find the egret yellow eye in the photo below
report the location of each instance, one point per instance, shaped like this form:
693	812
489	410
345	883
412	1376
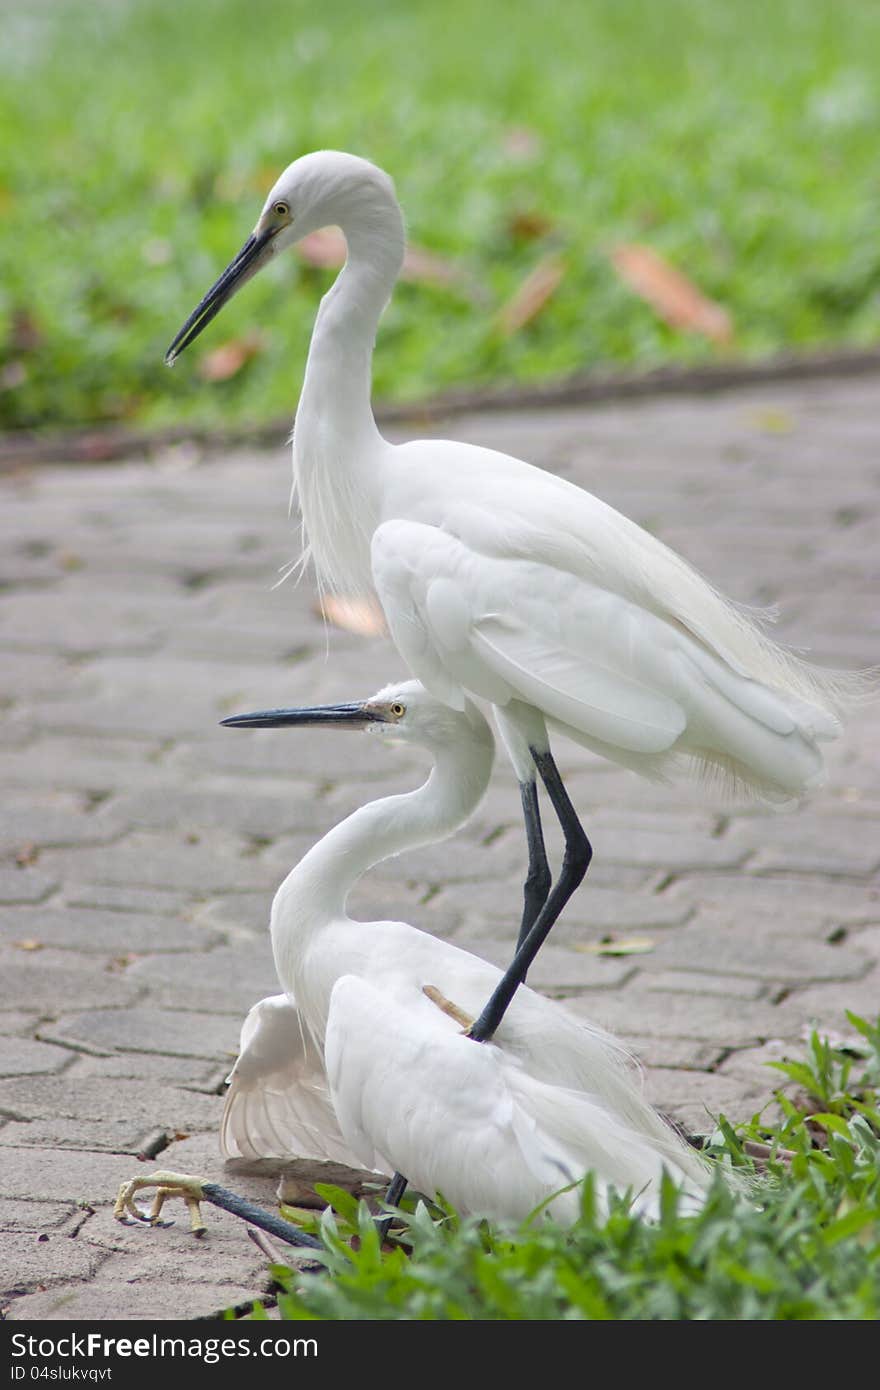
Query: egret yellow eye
398	710
281	210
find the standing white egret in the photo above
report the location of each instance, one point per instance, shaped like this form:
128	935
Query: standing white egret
504	582
364	1059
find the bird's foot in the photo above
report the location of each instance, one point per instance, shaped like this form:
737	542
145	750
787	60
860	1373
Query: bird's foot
447	1007
167	1185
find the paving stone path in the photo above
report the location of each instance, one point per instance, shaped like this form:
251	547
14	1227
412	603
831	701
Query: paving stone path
140	844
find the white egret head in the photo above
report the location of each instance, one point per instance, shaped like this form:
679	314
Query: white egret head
402	713
323	189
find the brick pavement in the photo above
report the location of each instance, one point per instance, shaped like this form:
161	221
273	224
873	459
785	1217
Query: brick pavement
140	844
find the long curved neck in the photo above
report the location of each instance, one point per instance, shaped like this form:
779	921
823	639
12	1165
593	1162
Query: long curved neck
337	386
335	436
315	892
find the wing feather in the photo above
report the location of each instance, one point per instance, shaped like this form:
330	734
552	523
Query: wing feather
278	1103
468	1120
646	687
580	692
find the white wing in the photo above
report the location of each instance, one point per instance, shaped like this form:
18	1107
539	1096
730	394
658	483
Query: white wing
633	686
503	508
278	1103
467	1120
491	624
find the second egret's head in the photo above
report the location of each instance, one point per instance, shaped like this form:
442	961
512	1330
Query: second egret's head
327	188
402	713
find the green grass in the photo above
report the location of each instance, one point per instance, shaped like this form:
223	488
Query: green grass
800	1241
137	141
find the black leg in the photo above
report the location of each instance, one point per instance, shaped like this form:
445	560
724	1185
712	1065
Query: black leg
276	1225
258	1216
285	1230
395	1191
575	862
537	885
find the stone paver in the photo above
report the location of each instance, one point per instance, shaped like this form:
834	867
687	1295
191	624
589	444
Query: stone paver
95	931
682	1013
153	1030
27	1057
36	1264
223	981
140	844
23	885
33	1216
759	950
48	981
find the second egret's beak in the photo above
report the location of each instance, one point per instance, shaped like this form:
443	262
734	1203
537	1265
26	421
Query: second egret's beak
254	254
356	716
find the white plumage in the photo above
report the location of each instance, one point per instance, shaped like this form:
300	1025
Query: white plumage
504	581
356	1063
501	581
472	1122
278	1102
642	678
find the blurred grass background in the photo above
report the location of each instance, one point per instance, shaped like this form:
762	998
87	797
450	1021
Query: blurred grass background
138	137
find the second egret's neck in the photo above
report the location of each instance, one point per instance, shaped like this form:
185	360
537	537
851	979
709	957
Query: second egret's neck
314	893
336	442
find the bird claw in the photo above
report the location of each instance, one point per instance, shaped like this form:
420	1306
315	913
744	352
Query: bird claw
167	1185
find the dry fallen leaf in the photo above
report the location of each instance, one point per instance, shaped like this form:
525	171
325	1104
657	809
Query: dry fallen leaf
622	946
28	945
326	250
529	224
224	361
674	297
122	962
360	615
429	268
534	292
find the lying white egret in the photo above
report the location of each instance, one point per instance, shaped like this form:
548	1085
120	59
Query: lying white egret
364	1060
502	581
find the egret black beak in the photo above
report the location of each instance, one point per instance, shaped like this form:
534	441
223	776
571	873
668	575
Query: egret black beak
254	254
356	716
